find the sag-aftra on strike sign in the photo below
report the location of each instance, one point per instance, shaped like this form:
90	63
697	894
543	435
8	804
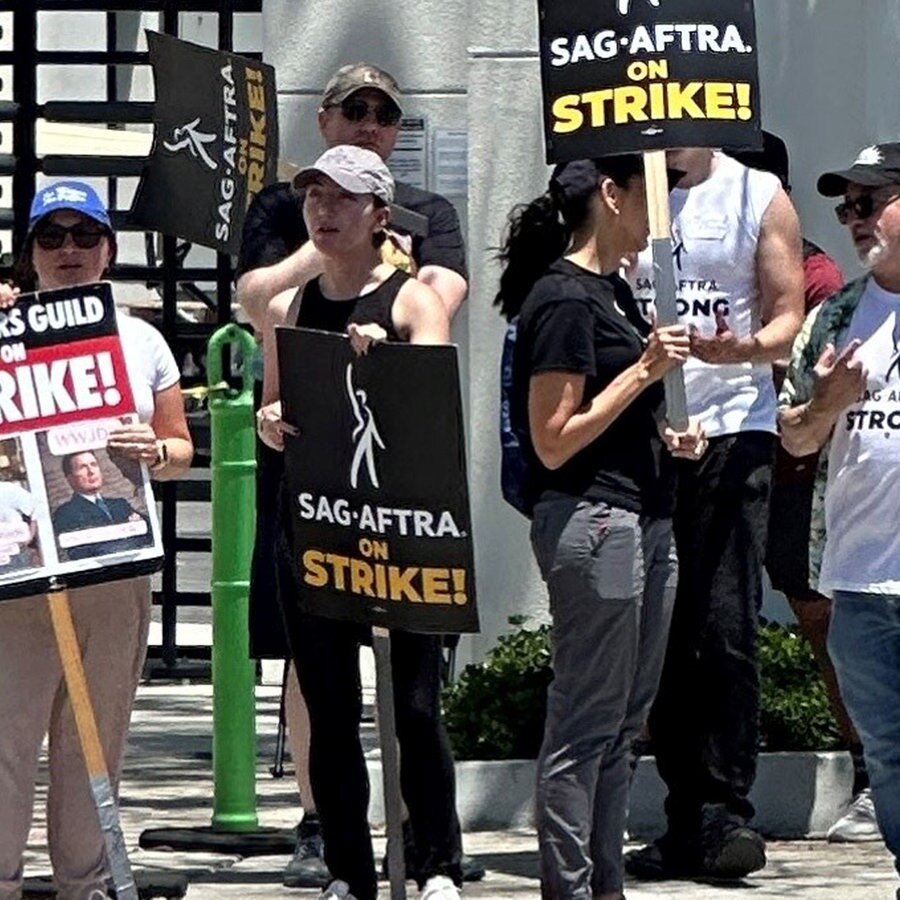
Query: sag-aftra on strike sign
633	75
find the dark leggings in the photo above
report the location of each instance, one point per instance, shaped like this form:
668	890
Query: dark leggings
326	654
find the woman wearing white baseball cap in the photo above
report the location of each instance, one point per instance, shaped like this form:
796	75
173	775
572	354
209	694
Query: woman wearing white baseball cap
346	208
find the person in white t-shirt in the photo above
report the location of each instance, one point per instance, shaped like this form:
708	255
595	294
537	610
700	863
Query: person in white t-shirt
739	281
17	527
70	242
842	396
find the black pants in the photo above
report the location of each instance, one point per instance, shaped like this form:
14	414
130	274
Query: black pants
326	654
704	723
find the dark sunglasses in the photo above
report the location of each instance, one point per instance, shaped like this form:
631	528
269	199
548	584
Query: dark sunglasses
355	110
862	207
53	236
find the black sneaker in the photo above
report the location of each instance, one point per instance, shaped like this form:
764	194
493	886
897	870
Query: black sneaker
731	849
307	868
667	857
739	852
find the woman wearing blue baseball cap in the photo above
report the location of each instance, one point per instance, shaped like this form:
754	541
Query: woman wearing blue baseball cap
70	242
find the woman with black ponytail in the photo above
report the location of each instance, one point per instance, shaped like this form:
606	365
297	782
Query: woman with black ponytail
589	409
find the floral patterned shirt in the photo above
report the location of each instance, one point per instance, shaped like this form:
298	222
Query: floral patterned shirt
827	323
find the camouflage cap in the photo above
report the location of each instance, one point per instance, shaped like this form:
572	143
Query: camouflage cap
349	79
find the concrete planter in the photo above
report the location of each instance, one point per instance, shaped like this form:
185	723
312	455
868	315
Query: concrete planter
796	795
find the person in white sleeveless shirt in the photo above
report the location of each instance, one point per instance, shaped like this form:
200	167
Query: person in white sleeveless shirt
842	396
739	281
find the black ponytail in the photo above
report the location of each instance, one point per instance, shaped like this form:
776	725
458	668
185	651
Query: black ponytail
539	232
535	236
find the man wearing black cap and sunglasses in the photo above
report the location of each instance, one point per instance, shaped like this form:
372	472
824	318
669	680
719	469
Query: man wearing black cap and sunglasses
842	396
361	106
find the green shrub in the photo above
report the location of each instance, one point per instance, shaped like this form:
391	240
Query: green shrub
795	713
495	710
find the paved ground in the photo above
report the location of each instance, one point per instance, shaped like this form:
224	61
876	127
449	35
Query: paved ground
168	783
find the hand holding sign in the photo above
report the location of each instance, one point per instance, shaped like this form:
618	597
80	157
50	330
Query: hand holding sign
271	428
667	348
362	337
688	444
8	295
133	440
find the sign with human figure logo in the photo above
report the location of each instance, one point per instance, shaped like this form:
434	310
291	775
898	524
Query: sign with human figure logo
377	497
215	143
72	512
626	76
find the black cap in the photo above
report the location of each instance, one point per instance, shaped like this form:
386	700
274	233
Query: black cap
773	157
876	166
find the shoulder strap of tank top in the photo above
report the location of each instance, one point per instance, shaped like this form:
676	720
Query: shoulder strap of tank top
293	312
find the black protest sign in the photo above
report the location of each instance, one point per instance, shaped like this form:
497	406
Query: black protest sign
72	512
215	144
625	76
378	499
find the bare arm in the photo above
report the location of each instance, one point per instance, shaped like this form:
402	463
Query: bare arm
277	314
561	425
420	315
450	286
170	425
779	266
257	288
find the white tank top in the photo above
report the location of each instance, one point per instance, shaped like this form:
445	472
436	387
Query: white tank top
715	228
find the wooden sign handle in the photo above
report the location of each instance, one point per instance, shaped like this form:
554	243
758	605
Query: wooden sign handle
91	748
656	182
76	683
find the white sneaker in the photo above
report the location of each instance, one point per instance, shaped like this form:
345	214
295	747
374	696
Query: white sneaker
858	823
439	887
337	890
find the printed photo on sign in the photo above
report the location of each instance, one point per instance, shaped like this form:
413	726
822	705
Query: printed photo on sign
97	502
621	77
19	542
380	521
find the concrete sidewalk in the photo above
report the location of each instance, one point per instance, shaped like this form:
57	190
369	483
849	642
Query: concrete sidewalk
168	783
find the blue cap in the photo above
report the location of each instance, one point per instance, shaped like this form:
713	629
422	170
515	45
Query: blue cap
74	195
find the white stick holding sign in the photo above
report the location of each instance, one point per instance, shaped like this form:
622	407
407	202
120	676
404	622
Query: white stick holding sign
657	186
390	761
91	748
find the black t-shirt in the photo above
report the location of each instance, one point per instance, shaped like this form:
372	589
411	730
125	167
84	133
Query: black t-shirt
579	322
274	228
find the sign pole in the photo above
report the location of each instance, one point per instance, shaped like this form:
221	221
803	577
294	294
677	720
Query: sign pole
657	187
89	737
390	761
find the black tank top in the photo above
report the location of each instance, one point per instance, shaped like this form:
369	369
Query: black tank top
317	311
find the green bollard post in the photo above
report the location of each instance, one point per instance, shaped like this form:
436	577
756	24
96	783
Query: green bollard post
233	439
